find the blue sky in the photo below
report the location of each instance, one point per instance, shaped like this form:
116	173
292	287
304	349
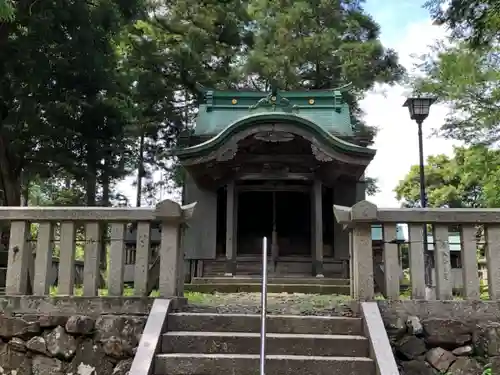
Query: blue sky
394	16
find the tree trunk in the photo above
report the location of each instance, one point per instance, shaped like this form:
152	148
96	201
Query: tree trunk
91	178
10	177
105	202
140	171
25	188
10	189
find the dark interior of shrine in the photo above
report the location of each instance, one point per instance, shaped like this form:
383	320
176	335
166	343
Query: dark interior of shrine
255	220
293	225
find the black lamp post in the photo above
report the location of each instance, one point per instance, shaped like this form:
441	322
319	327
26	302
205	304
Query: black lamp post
419	110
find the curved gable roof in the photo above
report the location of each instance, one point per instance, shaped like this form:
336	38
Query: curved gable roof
323	137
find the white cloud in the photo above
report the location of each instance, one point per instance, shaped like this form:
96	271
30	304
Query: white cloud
397	140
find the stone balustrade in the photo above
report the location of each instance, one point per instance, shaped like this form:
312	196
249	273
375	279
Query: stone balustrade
360	218
29	266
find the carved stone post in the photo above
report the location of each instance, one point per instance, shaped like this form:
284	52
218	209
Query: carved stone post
19	259
362	252
171	215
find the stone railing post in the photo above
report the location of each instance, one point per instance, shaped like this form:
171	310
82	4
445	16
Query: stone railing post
359	218
20	255
172	216
364	213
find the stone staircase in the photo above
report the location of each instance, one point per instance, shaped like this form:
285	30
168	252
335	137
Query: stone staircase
213	344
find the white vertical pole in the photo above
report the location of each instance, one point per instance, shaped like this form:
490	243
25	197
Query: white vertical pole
263	307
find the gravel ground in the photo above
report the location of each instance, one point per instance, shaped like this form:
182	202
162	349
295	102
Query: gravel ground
277	303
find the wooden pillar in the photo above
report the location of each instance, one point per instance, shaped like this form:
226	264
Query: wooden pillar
317	228
230	229
200	237
344	194
274	238
235	226
360	189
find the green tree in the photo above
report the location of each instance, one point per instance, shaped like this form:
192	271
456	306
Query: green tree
206	40
371	186
177	48
63	95
320	44
468	81
54	192
6	10
469	179
476	21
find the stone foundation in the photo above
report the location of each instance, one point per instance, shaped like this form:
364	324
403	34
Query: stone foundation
60	345
444	346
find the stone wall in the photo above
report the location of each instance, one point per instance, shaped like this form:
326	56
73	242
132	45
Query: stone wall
444	346
60	345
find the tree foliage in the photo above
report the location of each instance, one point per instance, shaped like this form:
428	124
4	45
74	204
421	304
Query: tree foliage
475	21
64	95
6	10
468	81
464	74
371	186
320	44
469	179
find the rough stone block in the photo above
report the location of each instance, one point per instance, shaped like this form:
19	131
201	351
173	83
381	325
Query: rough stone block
440	359
80	324
410	347
447	333
487	339
466	366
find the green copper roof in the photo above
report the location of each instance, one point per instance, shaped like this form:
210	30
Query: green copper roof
325	108
324	137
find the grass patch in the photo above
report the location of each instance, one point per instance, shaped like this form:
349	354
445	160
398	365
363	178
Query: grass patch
193	297
198	298
78	291
308	301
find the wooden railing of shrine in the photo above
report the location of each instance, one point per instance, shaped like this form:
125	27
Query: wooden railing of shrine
37	234
474	226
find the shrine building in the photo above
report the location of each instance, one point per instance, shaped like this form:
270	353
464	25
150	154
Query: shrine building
271	164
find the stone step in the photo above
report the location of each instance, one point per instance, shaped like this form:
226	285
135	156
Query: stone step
243	287
208	322
271	280
276	344
248	364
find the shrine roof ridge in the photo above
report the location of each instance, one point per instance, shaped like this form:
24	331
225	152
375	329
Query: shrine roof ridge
219	108
258	93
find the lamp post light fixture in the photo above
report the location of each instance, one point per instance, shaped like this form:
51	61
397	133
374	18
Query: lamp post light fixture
419	108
